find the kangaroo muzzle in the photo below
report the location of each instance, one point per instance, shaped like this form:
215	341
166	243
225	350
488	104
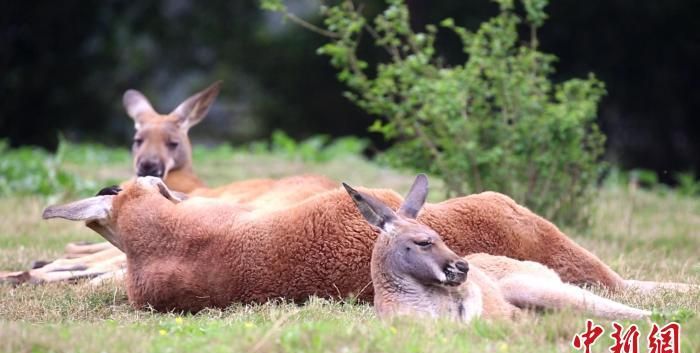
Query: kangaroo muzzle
149	167
456	272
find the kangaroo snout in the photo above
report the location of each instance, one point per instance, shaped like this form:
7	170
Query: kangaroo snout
456	272
462	266
149	167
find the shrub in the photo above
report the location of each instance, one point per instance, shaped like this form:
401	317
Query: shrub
317	148
31	170
494	122
688	184
314	149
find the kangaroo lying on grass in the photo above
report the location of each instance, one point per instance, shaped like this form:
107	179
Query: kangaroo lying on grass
415	273
202	252
162	148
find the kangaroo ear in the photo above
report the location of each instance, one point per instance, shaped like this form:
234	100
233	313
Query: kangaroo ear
415	199
172	195
151	181
91	209
374	211
194	109
136	104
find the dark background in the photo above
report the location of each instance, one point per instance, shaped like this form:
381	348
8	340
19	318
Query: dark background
64	66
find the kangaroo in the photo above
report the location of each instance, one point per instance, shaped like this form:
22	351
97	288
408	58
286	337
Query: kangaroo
161	145
414	273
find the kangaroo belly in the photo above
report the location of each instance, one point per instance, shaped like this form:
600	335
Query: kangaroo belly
171	284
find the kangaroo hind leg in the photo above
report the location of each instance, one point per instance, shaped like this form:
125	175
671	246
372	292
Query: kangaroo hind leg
528	290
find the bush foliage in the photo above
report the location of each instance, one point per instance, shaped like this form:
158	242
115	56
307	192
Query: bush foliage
494	122
32	170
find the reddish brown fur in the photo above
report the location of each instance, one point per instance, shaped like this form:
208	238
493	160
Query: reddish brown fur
201	253
268	193
495	224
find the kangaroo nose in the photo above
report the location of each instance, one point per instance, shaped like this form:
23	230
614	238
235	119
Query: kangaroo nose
462	266
150	168
110	190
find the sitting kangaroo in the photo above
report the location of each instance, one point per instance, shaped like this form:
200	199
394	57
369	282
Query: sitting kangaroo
415	273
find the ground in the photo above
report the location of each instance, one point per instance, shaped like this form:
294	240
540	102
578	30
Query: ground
643	234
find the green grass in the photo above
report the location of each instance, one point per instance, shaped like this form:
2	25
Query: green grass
641	234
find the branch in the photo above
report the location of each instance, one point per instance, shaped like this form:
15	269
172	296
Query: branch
390	50
310	26
534	43
438	157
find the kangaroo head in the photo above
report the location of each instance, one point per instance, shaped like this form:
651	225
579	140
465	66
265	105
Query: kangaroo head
405	248
97	211
161	143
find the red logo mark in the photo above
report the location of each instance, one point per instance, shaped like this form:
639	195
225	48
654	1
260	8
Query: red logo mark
627	342
588	337
666	339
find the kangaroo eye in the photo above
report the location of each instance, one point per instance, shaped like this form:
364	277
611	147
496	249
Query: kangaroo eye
172	145
422	243
138	142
